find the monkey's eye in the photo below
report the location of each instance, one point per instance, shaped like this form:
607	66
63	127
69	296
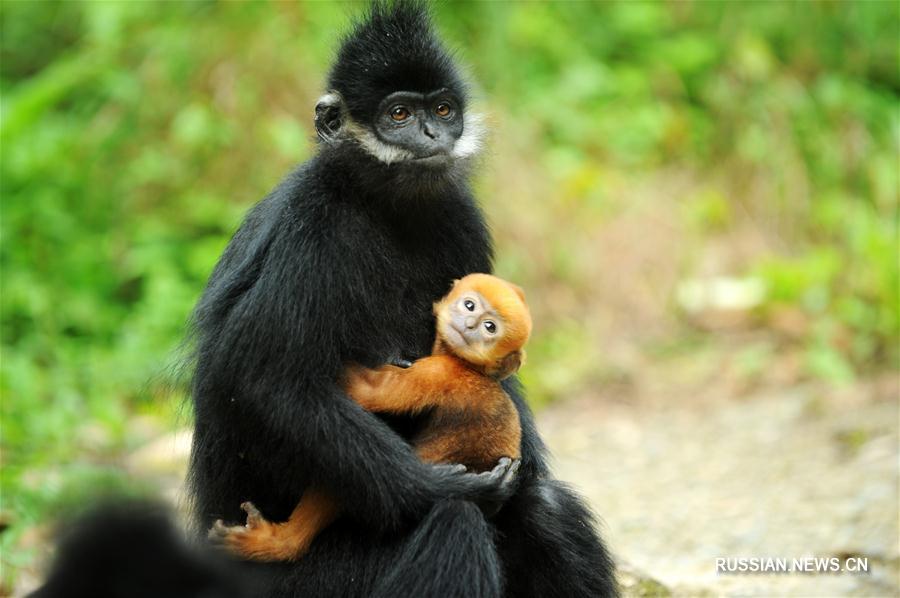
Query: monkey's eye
469	304
400	113
490	327
443	109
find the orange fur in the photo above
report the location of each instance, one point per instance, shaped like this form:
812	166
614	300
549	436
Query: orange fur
508	300
471	419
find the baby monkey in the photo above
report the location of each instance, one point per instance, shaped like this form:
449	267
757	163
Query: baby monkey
482	326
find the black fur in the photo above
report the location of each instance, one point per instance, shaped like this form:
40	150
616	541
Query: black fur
340	263
131	550
393	44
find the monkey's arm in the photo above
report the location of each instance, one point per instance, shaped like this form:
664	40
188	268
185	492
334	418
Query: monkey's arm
434	381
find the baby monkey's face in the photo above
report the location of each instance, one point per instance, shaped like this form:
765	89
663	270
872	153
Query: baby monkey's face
471	324
484	320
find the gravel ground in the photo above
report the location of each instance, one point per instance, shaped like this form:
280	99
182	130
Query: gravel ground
680	481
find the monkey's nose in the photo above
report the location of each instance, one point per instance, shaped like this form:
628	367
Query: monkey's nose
471	321
427	130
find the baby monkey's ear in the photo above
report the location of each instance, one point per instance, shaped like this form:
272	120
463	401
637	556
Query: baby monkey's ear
519	291
509	365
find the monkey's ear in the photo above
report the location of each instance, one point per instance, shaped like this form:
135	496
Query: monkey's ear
329	113
519	291
509	365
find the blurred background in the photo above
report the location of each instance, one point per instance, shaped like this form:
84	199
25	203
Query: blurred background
700	198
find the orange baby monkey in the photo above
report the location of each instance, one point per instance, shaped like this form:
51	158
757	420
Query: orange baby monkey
482	326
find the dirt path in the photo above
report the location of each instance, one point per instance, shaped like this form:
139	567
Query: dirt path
681	478
679	482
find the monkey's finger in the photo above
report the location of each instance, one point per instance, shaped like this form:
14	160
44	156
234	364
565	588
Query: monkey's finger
450	468
512	472
254	517
219	532
501	468
499	474
487	480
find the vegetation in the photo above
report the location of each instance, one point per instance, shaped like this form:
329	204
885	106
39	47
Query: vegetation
135	135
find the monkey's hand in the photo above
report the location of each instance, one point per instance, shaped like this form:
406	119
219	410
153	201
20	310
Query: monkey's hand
260	539
490	489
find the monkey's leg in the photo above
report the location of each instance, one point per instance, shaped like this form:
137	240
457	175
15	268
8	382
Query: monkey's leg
549	546
451	554
263	540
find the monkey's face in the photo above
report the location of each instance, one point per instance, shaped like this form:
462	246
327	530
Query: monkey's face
408	127
395	93
427	126
483	320
470	325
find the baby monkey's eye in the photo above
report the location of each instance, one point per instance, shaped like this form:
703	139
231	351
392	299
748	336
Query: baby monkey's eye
443	109
400	113
470	305
490	327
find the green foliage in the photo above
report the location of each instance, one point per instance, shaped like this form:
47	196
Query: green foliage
790	106
134	136
845	279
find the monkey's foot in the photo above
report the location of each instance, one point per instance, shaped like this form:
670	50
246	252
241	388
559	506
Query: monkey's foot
258	540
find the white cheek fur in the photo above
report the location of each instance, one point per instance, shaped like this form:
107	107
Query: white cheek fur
472	138
376	148
469	144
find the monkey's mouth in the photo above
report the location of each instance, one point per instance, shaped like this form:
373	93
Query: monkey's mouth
455	335
437	158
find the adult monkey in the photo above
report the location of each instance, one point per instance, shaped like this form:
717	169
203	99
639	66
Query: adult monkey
341	263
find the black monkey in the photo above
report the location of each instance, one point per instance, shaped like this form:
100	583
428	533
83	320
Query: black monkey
341	263
131	549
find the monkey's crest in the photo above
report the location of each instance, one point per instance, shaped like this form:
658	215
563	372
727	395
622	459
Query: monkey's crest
392	47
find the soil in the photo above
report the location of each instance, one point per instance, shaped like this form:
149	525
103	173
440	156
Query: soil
681	479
